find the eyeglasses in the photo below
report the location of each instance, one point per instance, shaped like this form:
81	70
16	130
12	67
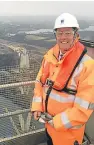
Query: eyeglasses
65	33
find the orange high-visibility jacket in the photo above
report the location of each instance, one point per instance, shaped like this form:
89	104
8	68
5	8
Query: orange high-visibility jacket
70	112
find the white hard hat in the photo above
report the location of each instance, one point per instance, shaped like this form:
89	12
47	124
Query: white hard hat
66	20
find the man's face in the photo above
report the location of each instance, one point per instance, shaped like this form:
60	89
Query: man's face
64	38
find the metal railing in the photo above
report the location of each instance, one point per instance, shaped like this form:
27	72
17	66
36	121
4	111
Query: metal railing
17	126
16	91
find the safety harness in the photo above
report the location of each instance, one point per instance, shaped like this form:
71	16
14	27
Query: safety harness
50	83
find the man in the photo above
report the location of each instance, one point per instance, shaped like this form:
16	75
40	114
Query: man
64	85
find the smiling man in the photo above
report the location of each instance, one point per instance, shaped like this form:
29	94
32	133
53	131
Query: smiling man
63	95
65	38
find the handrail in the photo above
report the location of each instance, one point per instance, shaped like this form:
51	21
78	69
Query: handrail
16	84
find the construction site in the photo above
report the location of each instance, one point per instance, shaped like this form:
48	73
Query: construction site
17	126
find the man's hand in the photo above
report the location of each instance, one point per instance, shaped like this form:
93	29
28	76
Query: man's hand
43	117
37	115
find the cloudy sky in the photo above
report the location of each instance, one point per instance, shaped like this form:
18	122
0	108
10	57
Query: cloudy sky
80	8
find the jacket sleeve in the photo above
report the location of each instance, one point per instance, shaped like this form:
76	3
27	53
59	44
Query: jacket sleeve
38	93
83	106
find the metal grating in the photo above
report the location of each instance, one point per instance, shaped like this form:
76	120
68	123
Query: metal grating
16	91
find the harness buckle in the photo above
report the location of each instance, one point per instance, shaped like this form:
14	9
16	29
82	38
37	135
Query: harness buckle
49	83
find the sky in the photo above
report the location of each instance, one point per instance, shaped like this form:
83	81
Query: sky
80	8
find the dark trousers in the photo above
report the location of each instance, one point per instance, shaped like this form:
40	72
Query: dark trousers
49	140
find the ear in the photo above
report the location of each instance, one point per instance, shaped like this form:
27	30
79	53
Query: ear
55	36
76	35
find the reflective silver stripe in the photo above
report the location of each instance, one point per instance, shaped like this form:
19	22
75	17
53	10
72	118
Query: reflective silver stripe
91	106
65	120
62	99
67	123
73	84
37	99
78	126
83	103
77	71
85	58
